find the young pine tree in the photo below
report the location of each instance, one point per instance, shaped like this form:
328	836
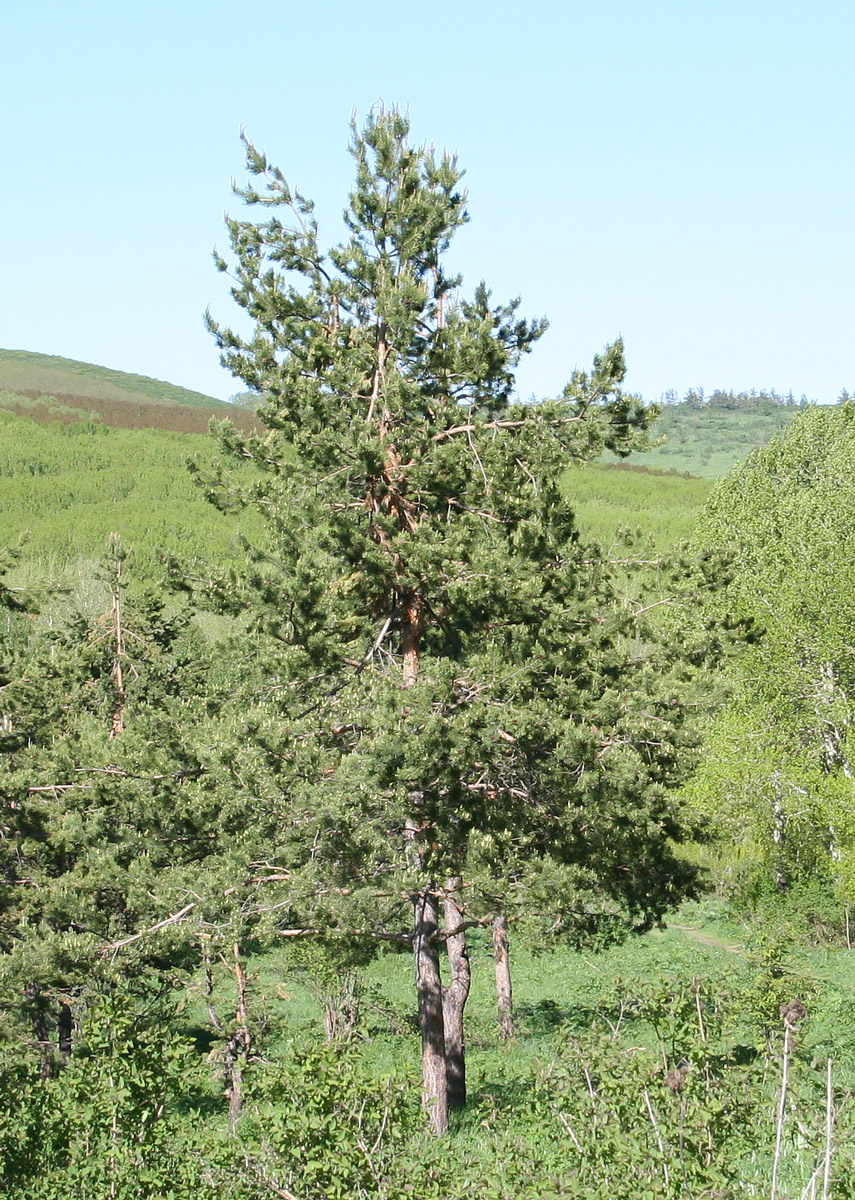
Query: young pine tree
458	711
109	821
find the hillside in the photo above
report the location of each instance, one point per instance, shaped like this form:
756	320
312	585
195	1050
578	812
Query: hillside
64	488
69	430
660	505
701	436
709	437
49	388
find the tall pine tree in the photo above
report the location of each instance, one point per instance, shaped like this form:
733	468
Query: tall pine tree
460	716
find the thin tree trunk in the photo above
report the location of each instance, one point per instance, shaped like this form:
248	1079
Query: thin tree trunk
411	637
41	1036
341	1007
238	1044
118	722
454	998
426	926
504	992
429	989
65	1027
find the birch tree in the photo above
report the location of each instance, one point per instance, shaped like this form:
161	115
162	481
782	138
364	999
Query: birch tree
777	774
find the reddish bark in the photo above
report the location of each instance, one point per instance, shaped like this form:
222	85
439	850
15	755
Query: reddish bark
411	638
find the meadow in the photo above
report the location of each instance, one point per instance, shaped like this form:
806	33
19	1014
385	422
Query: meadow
653	1069
65	487
708	439
709	1058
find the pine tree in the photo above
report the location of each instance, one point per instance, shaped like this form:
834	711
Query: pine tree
113	813
459	716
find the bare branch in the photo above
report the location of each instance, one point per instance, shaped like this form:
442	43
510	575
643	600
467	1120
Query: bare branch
153	929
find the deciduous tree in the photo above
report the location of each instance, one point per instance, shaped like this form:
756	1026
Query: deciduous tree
777	773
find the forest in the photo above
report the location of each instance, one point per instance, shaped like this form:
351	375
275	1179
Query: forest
408	791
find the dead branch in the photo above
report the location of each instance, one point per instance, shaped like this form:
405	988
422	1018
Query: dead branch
153	929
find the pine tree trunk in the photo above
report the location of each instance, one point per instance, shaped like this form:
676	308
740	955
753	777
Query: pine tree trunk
426	927
429	989
65	1028
37	1003
504	993
238	1043
454	998
411	636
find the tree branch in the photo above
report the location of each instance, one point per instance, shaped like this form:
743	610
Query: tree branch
153	929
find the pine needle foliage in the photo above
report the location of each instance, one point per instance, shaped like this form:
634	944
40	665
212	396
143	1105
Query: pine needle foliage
459	691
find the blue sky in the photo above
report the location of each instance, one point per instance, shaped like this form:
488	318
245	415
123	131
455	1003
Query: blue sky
677	171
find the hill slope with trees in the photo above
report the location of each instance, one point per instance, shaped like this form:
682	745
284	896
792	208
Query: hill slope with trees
709	435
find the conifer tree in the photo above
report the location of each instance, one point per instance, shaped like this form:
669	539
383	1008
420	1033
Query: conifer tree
109	818
460	719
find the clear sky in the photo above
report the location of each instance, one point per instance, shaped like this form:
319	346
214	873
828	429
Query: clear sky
678	171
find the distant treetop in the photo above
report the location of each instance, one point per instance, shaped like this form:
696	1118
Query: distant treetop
750	401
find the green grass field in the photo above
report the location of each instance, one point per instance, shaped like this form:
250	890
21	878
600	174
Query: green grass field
649	503
702	994
32	374
66	488
709	441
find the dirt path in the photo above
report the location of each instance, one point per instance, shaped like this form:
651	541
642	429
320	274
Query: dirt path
710	939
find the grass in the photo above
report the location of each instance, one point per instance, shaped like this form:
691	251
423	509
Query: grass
618	1010
709	441
558	988
656	505
65	489
33	374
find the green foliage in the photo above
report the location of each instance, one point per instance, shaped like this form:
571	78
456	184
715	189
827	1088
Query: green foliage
12	401
325	1128
777	776
69	486
679	1027
109	1124
421	538
689	1115
111	811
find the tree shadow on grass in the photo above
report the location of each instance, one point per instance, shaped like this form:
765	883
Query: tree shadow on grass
546	1016
510	1097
